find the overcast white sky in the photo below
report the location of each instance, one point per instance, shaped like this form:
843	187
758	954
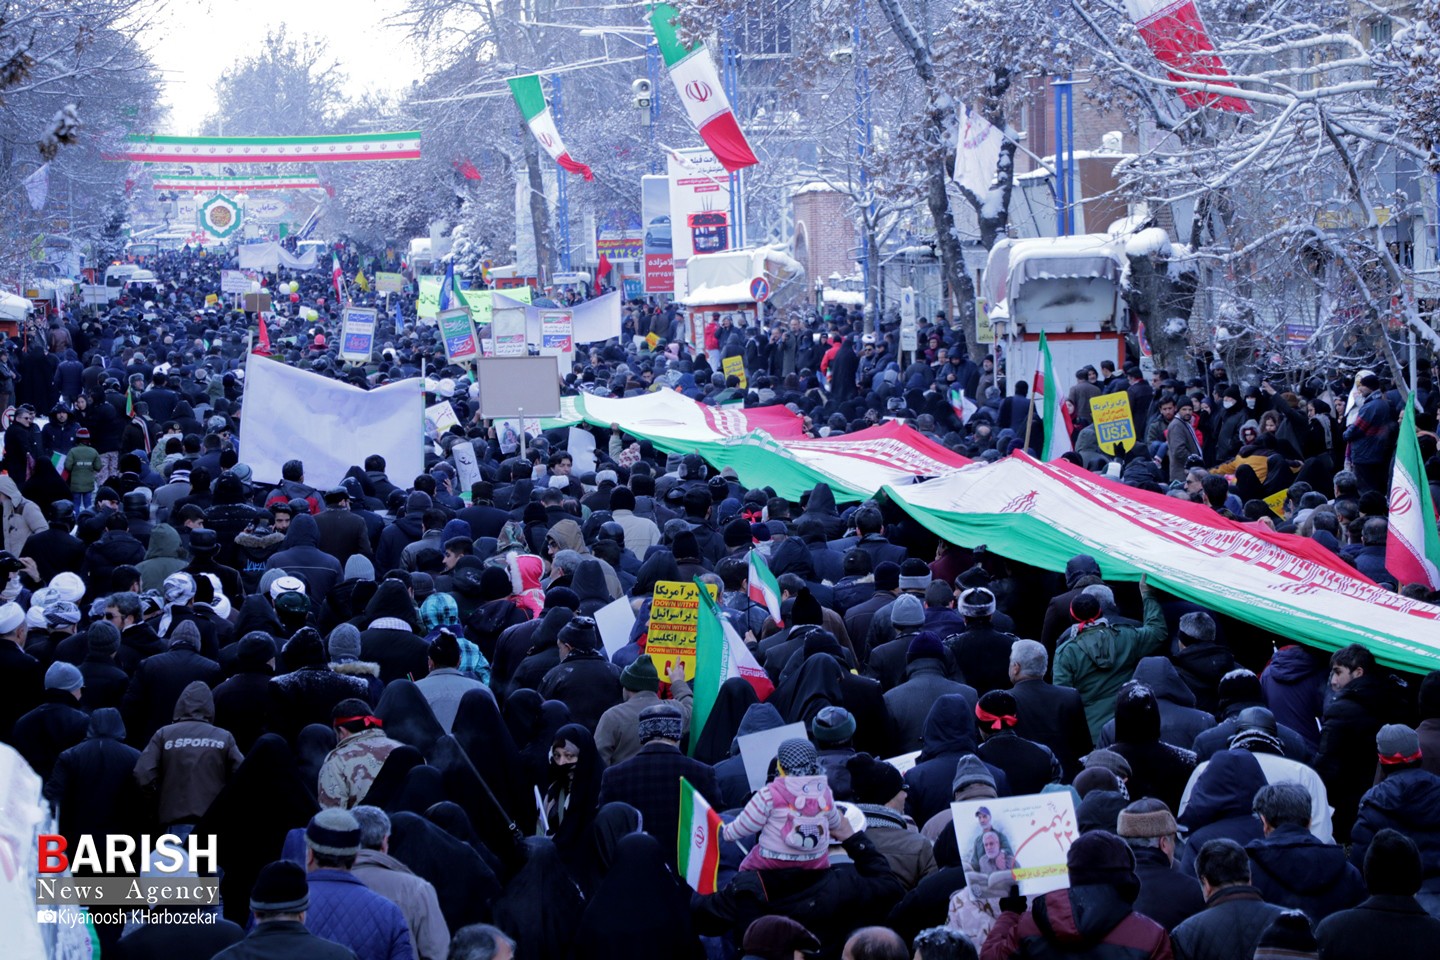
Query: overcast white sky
198	39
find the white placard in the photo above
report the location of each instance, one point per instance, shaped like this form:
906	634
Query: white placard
1032	834
758	749
615	620
581	448
467	470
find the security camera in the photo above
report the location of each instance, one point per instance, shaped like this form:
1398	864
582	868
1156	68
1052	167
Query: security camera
640	93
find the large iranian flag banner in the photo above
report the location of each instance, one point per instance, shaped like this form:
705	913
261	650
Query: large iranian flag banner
235	184
1046	513
530	98
692	70
148	148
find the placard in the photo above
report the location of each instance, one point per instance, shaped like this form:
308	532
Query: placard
984	332
255	302
440	417
735	367
1017	840
390	282
674	620
1114	427
357	334
557	337
236	281
615	620
518	385
467	469
458	333
758	749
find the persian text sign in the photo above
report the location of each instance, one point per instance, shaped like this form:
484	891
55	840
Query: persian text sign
458	332
357	334
674	619
1114	426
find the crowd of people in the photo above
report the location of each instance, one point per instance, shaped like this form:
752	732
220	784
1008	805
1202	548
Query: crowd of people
389	700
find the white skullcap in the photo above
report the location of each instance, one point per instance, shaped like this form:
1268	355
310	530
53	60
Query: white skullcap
286	585
11	616
68	586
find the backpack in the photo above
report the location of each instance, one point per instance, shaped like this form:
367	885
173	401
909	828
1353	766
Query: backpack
804	827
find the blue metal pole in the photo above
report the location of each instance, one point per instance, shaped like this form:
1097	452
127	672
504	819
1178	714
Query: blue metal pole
652	67
562	213
863	129
1064	156
731	79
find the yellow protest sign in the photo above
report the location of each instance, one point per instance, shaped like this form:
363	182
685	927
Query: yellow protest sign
674	619
735	367
984	332
1276	502
211	299
652	339
1114	427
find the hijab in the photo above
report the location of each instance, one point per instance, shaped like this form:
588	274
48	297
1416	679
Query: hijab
465	887
533	722
541	907
408	717
312	746
388	783
736	696
611	926
421	788
486	740
463	784
581	782
612	823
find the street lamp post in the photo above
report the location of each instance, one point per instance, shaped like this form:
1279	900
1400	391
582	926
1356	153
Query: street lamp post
858	38
562	212
652	70
731	79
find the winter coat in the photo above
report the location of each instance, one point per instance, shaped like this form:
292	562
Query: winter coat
1182	444
307	695
23	446
617	736
92	779
908	703
1217	738
1180	722
114	548
50	729
1229	927
982	655
242	704
1055	716
949	735
585	682
23	518
156	685
414	896
1386	925
301	556
342	534
344	910
821	506
350	768
910	855
650	782
284	940
1091	920
1292	869
1200	666
1167	895
190	760
443	687
1408	801
1294	683
105	682
1220	804
1099	659
164	941
163	557
1346	758
55	550
1370	436
1028	766
395	538
857	889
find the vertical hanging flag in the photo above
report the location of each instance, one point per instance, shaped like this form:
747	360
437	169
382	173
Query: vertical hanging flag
698	839
1412	544
693	72
449	291
37	187
1054	416
1174	32
764	589
337	277
362	281
530	98
964	407
719	655
977	155
601	271
262	341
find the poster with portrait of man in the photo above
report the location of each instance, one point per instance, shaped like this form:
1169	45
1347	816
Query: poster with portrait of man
1016	841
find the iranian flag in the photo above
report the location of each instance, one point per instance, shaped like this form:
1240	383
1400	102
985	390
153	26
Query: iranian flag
1052	406
693	71
719	655
1412	545
148	148
337	277
530	98
262	343
764	588
1174	32
698	839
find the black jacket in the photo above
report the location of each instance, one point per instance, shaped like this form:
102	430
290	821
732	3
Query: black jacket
949	735
149	702
50	729
166	941
1381	926
1054	716
114	548
1028	766
908	703
301	556
242	705
55	551
1293	869
1346	758
284	940
307	695
588	684
1228	927
650	782
93	781
1167	896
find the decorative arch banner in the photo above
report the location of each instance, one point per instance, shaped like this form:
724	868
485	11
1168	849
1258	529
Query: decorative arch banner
220	216
150	148
236	184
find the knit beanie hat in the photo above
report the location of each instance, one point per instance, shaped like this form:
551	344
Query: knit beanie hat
1392	865
1146	818
663	721
873	780
907	611
333	832
887	576
1397	744
1100	857
737	533
797	758
344	643
640	675
977	602
1100	810
971	773
833	725
280	887
186	635
256	648
63	676
925	645
103	638
914	574
359	567
580	634
1288	937
304	649
1108	759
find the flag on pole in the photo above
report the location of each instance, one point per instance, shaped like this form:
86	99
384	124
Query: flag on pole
262	345
963	406
337	276
719	655
1051	399
1175	34
1412	544
977	156
698	840
129	402
449	291
764	588
467	169
362	281
693	72
600	271
530	98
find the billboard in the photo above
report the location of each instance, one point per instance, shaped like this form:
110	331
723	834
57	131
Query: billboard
699	208
655	218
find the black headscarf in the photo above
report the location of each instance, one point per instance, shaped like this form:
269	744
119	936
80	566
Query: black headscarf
584	791
408	717
464	885
44	485
613	822
611	926
423	787
388	783
479	729
815	687
659	565
542	906
263	801
312	746
533	722
391	600
450	817
736	696
464	785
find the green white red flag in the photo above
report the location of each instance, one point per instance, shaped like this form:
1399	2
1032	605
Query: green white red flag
719	655
692	70
148	148
530	98
698	839
764	589
1412	543
1051	399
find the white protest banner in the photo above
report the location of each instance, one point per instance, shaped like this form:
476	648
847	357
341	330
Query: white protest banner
597	319
336	424
615	620
758	749
582	451
467	470
236	281
1016	840
357	334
